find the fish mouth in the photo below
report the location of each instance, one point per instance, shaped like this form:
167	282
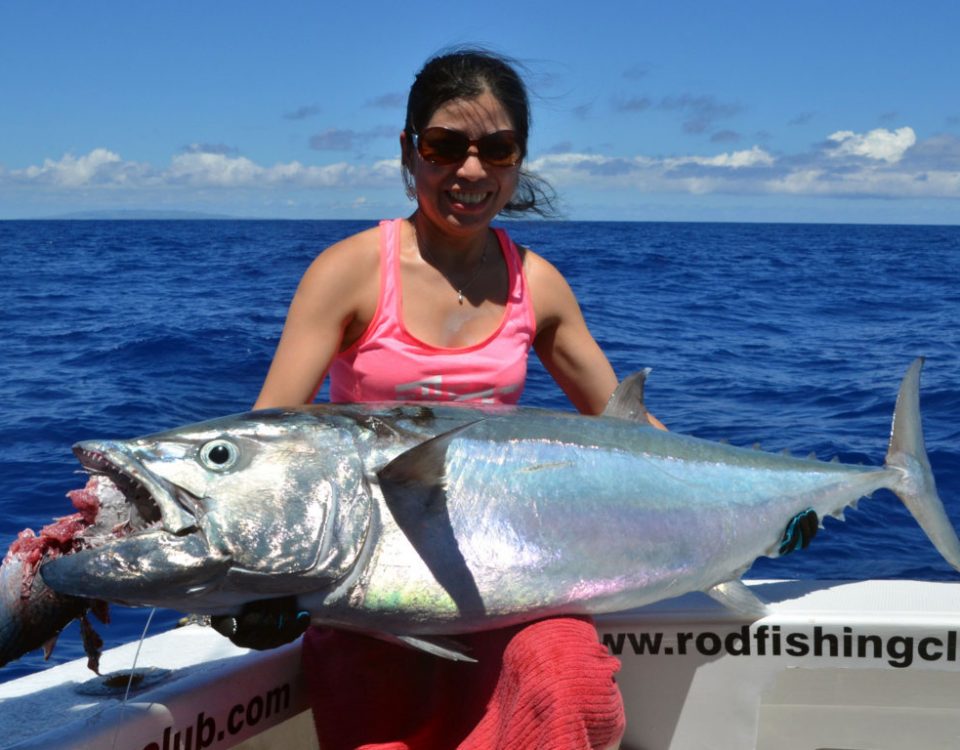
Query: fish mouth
151	502
145	547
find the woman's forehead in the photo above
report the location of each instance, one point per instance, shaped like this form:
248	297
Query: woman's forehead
475	115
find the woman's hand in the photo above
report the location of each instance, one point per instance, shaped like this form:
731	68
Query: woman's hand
264	624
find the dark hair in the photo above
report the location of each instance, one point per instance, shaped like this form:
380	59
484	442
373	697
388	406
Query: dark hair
465	74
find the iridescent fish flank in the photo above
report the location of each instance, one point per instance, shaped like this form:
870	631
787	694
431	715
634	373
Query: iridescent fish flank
412	522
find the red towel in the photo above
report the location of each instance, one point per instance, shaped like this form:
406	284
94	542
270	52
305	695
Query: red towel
548	685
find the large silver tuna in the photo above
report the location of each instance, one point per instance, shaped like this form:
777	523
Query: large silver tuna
417	520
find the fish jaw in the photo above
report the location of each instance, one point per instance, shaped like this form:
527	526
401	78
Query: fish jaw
150	497
151	568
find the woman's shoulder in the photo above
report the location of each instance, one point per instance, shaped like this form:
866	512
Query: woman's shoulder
551	295
352	258
541	274
356	248
533	261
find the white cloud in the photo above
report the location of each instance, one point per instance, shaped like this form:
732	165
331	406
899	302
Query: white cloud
99	167
876	166
213	170
800	182
200	169
612	166
754	157
879	144
879	163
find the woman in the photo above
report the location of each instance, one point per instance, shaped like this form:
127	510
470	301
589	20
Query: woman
441	307
463	146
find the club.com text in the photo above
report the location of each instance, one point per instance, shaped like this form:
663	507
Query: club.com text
206	731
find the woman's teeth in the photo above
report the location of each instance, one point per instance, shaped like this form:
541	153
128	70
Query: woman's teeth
468	198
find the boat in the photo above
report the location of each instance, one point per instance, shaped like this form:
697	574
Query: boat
857	665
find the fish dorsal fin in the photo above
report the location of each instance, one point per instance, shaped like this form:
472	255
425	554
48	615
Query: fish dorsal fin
627	401
737	596
414	490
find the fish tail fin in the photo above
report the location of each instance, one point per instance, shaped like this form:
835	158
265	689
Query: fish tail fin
916	486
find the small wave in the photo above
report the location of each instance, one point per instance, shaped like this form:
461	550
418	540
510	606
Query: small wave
794	336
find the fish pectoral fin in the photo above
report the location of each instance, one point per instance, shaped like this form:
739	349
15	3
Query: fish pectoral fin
445	648
627	401
736	595
424	464
413	486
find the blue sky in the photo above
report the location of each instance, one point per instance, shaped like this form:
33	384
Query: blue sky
834	111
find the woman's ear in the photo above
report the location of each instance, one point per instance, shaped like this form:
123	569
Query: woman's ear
406	149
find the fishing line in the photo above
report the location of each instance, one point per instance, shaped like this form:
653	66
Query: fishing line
130	678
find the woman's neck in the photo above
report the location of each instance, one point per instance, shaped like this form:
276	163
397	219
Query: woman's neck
449	250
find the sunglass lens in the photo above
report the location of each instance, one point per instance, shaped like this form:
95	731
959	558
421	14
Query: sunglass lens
499	149
440	146
445	147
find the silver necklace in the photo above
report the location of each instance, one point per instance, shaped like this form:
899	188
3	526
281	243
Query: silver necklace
461	289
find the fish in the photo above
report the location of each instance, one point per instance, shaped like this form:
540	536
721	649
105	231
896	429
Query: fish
419	522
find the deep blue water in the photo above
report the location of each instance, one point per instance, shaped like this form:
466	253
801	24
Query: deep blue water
794	336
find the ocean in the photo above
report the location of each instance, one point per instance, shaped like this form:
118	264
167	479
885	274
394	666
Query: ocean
791	336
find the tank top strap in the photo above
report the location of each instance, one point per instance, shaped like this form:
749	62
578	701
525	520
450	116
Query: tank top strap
518	295
388	364
389	302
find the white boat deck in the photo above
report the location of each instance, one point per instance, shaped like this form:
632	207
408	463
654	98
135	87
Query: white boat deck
861	666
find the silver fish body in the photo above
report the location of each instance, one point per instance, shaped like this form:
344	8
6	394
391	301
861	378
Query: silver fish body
417	520
601	516
31	613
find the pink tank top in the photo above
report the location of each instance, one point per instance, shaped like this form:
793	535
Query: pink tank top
387	363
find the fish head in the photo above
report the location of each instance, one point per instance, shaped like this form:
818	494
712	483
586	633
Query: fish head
226	511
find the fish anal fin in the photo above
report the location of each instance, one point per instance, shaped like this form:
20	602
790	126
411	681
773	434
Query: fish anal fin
101	610
49	645
737	596
627	401
445	648
435	645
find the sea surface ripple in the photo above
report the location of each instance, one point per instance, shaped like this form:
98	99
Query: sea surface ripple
791	336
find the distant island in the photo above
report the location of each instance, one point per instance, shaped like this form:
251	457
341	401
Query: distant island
135	215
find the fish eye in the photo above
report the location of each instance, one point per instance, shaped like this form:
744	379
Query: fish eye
219	455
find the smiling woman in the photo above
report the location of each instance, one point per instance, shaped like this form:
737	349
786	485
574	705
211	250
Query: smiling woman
450	303
442	307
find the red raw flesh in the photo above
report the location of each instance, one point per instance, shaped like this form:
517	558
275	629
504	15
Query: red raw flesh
59	537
